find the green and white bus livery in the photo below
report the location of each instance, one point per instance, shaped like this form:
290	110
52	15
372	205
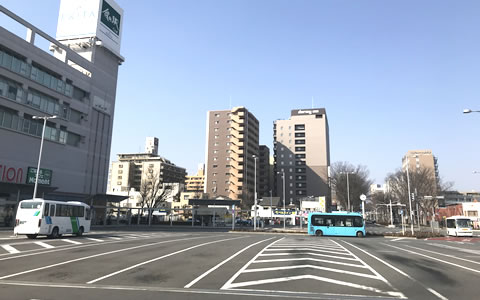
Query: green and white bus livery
52	218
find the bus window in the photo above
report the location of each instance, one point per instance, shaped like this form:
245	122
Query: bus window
31	205
349	222
463	223
329	222
339	221
318	221
46	208
87	215
451	223
357	222
52	210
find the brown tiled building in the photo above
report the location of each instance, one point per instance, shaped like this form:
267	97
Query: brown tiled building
232	140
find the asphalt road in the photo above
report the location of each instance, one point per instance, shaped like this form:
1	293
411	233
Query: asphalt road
220	265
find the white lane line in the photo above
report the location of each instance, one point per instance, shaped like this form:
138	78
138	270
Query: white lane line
44	245
113	238
447	255
318	278
440	296
308	259
93	256
228	284
222	263
95	240
397	239
369	267
455	248
159	258
309	249
399	271
312	267
437	259
71	241
10	249
309	253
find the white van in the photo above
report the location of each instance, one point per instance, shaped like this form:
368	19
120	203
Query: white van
51	218
459	226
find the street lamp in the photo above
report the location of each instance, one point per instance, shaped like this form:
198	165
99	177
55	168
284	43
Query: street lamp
44	118
409	199
255	194
467	111
284	212
348	189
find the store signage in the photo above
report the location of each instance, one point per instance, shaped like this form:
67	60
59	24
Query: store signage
110	18
44	177
11	174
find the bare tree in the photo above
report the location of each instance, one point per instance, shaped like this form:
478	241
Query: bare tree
358	183
153	192
424	188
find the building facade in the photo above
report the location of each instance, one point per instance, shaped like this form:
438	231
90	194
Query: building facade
421	159
232	140
265	188
79	88
302	156
196	183
134	170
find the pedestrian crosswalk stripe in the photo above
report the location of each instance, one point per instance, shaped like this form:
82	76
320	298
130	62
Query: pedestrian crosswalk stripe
95	240
44	245
71	242
10	249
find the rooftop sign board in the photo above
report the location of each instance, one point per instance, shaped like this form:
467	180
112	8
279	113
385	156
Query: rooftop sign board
306	112
91	18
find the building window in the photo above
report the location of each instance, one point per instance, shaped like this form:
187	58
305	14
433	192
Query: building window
216	136
300	155
215	174
215	166
217	115
215	129
120	171
228	143
119	177
215	151
217	122
299	148
300	163
215	158
299	134
119	183
300	170
120	166
301	185
300	127
300	177
301	192
215	144
299	142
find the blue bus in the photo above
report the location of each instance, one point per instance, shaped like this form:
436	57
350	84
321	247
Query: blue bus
336	223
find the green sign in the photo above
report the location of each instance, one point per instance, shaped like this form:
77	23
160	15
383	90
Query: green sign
44	178
110	18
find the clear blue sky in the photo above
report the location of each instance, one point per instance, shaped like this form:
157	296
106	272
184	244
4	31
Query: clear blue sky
392	75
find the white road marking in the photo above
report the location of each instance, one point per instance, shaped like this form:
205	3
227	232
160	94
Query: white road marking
222	263
44	245
95	240
437	259
399	271
10	249
308	259
319	278
398	239
308	249
113	238
71	241
440	296
228	284
311	267
308	253
455	248
92	256
447	255
158	258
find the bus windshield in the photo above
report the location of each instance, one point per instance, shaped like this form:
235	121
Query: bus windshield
31	205
463	223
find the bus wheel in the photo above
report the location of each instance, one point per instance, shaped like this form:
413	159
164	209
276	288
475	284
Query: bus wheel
359	234
318	233
31	236
80	231
54	233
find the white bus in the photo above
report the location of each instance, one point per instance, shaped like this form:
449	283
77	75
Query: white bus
459	226
51	218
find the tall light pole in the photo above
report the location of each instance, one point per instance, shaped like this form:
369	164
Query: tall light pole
271	209
44	118
284	211
255	193
348	190
409	199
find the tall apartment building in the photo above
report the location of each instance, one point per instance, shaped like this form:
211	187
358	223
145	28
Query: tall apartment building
417	159
77	84
265	172
302	153
151	145
232	140
196	183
